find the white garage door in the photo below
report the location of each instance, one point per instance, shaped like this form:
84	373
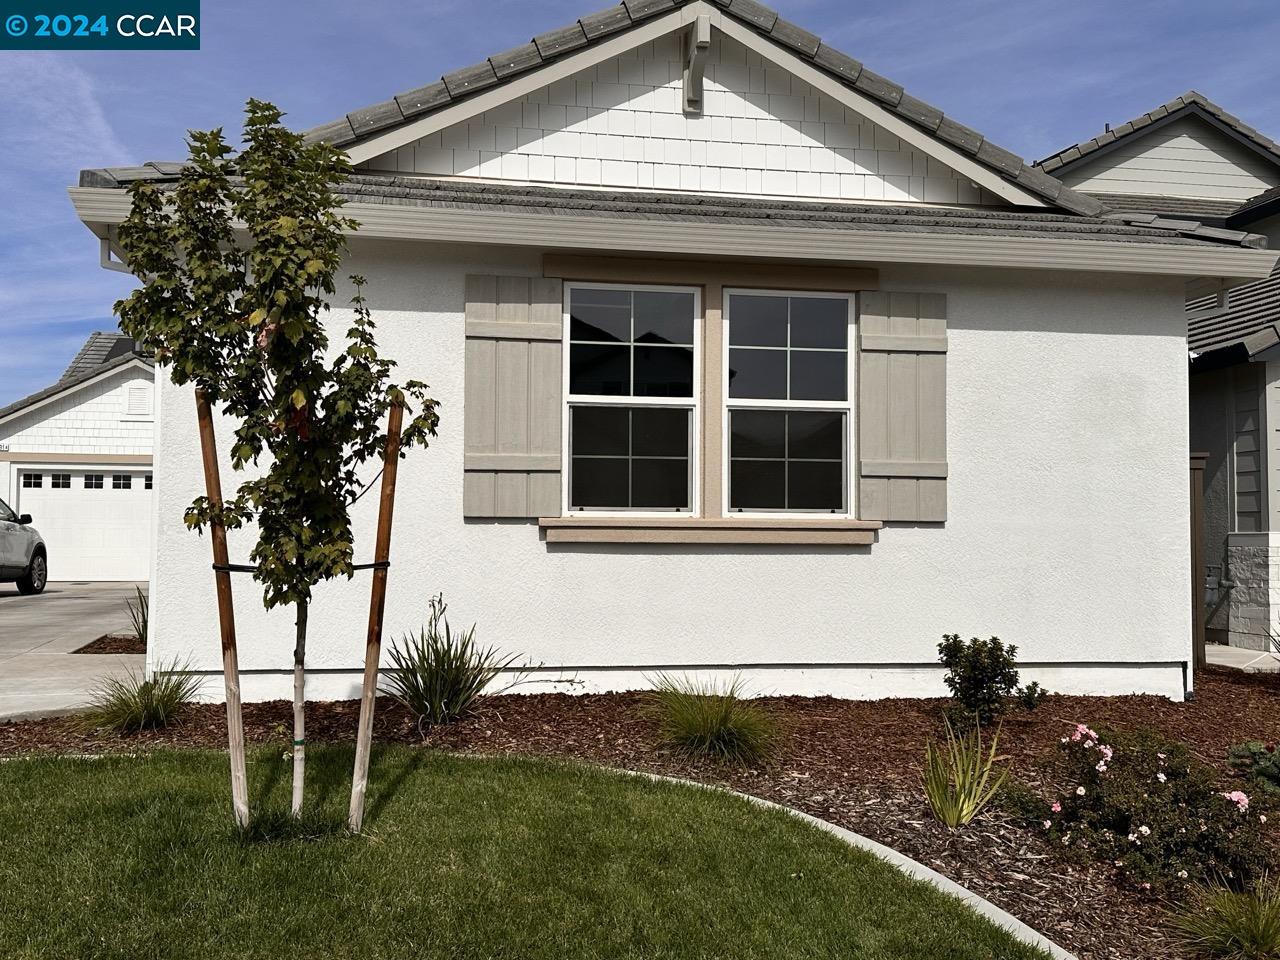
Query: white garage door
96	523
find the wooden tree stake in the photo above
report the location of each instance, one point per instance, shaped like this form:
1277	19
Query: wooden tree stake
377	606
226	616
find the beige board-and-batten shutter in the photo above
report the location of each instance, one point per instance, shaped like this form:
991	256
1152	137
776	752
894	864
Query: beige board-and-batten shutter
513	398
902	406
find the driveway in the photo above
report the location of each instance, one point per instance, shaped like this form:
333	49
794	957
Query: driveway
38	673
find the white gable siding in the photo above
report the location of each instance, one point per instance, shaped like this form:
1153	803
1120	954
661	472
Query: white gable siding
1185	158
93	419
622	124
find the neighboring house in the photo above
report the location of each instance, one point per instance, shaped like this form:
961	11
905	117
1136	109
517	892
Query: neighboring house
749	362
77	457
1190	158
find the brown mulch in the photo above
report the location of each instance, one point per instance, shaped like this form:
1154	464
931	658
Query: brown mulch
115	643
855	763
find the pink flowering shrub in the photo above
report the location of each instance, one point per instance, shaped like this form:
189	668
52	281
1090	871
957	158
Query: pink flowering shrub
1152	809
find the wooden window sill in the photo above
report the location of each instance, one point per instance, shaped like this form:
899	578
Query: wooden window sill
582	528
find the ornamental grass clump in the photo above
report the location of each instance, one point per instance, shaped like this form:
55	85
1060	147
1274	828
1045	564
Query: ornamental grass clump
1154	811
709	721
1226	924
440	675
960	778
132	702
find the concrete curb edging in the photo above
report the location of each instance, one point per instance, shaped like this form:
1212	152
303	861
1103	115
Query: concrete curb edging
917	871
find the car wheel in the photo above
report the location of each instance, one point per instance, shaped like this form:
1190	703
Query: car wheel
36	577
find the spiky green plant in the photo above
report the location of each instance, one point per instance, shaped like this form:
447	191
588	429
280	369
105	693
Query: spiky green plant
132	702
711	721
139	613
439	675
958	776
1226	924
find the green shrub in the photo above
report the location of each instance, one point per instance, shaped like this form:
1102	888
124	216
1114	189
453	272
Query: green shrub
1228	925
958	779
139	614
1260	763
704	720
439	675
132	702
982	676
1148	806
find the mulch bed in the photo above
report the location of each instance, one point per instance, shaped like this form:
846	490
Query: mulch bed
115	643
855	763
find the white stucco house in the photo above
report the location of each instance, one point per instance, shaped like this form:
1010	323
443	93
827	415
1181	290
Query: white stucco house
1191	158
750	362
77	457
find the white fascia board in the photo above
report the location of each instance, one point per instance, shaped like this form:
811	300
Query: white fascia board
507	227
136	363
526	83
863	105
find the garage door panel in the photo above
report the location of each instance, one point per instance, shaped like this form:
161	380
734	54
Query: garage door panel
91	534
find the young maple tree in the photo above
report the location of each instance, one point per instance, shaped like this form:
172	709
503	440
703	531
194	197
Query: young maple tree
237	262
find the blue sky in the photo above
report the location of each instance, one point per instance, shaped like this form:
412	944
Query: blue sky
1033	76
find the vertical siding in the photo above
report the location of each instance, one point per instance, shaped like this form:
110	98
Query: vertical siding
1246	395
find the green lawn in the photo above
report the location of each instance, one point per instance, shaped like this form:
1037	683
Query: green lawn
135	858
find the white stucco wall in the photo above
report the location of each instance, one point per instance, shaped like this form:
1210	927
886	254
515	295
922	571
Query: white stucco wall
1067	529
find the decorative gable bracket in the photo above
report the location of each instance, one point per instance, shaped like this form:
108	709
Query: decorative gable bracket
697	48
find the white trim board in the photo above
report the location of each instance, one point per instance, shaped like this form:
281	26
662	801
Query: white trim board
99	206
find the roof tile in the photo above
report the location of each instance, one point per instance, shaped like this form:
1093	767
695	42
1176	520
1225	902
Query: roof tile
795	37
469	80
833	61
755	13
640	9
919	112
371	119
423	99
958	135
605	22
337	133
1000	158
516	60
877	86
555	42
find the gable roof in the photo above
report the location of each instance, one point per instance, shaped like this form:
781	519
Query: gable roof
100	348
361	125
1191	103
101	353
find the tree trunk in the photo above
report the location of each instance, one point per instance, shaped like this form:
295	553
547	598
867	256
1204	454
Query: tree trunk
299	709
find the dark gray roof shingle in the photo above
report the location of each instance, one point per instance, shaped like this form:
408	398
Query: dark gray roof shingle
1013	221
1250	309
1192	100
546	47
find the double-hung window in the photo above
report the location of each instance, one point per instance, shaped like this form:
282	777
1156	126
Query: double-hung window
631	364
788	385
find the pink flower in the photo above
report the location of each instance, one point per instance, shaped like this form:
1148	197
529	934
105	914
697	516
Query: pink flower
1239	798
1056	807
1101	766
1048	824
1082	732
1105	751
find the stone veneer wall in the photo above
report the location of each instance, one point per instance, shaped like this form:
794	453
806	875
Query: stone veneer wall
1254	602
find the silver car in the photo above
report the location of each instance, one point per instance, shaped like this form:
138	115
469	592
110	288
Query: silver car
24	560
